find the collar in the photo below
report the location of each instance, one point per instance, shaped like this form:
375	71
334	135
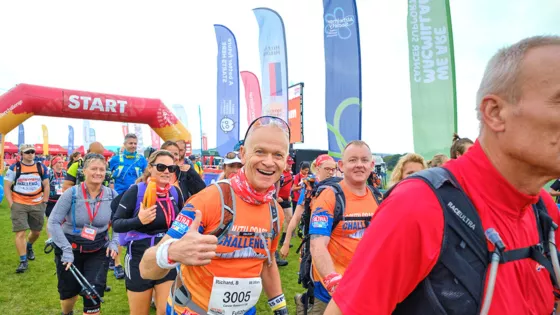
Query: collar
129	155
482	181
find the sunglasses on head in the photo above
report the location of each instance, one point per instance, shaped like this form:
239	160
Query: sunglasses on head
232	155
267	121
29	152
161	167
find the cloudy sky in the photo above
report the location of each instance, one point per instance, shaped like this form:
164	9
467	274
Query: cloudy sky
167	50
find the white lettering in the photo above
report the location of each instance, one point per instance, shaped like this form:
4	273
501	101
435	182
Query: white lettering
96	104
75	103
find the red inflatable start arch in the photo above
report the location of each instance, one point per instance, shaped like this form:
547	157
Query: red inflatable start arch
25	100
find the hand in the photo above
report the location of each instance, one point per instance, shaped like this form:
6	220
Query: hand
285	250
279	199
111	253
67	264
194	249
185	167
147	215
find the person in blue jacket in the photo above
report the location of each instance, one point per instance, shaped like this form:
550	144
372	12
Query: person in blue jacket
127	166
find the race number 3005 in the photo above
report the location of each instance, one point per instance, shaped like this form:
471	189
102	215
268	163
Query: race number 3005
237	297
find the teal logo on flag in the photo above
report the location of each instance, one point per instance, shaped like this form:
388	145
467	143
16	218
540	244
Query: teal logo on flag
337	24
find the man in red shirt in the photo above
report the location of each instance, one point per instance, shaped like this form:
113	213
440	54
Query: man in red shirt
284	193
503	174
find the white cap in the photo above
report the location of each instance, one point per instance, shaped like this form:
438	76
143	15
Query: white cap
236	159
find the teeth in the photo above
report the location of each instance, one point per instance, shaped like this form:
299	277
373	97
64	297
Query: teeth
265	172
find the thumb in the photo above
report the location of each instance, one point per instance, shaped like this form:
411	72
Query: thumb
196	223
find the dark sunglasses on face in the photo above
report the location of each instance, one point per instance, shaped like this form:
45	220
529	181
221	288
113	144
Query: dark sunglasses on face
161	167
29	152
232	155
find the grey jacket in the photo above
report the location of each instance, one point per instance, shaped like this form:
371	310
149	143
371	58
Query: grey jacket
60	220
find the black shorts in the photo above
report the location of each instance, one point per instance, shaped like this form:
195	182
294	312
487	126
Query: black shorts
286	203
50	206
93	266
133	281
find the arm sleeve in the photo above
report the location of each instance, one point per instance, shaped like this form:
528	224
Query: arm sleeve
10	174
399	248
322	214
124	219
208	203
61	209
113	163
194	182
45	172
72	173
301	199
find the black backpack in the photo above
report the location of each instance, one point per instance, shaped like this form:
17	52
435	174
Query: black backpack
39	171
455	285
305	278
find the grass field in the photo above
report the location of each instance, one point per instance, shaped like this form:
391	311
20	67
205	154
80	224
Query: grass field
35	291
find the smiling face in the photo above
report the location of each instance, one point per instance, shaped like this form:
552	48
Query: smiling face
94	171
264	156
356	164
130	144
161	178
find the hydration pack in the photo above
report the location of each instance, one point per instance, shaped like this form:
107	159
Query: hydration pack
18	175
455	285
305	272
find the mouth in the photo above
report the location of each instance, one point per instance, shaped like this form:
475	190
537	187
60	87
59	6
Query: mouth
265	173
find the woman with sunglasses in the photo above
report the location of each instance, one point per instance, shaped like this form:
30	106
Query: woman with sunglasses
143	219
232	165
78	225
185	178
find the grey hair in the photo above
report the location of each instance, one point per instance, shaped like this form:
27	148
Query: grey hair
91	157
503	71
130	136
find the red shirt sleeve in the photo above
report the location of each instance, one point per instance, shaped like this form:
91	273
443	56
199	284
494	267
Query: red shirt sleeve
399	249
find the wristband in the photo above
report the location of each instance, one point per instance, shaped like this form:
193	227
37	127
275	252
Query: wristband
276	303
162	255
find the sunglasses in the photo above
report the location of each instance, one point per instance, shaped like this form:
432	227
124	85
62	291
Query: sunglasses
161	167
29	152
232	155
269	120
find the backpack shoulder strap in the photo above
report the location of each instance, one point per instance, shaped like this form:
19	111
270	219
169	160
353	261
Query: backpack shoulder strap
377	195
275	223
73	208
340	201
140	196
18	171
40	169
461	225
174	192
227	199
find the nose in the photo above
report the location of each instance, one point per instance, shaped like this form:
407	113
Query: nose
268	160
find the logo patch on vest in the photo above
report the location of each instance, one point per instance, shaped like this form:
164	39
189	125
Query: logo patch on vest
461	215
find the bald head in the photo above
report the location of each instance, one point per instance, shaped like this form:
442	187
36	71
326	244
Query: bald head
96	147
255	133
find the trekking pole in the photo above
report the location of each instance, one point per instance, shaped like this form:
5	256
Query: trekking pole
554	252
495	239
87	288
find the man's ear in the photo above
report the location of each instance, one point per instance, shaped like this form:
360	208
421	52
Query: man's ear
492	112
242	152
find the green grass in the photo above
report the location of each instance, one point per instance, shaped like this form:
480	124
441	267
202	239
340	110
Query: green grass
35	291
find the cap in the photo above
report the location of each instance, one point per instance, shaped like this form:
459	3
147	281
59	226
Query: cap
234	160
290	160
192	157
26	147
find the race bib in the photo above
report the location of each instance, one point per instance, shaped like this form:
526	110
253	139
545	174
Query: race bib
232	296
89	232
58	189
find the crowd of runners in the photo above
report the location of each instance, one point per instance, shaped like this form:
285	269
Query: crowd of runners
472	233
